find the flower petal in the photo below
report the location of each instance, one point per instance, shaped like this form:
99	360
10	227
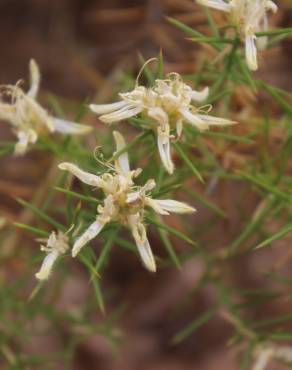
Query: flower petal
163	143
140	194
270	5
263	359
121	114
200	96
122	162
133	197
35	79
193	119
83	176
150	185
155	206
93	230
107	108
22	144
215	121
163	140
68	127
47	265
146	254
159	115
179	127
251	52
24	139
139	234
174	206
216	4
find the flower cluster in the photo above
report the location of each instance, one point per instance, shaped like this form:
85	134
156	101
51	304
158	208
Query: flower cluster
165	108
57	244
249	17
168	105
124	202
28	118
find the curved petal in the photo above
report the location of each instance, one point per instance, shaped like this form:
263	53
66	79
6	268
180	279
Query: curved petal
144	249
193	119
163	140
68	127
179	127
200	96
146	255
160	116
140	194
216	4
24	139
169	205
163	143
215	121
263	359
47	265
85	177
122	162
35	79
155	206
133	197
150	185
93	230
107	108
251	52
270	5
139	234
22	144
119	115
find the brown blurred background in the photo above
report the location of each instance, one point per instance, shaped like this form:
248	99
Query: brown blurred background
89	39
83	47
80	43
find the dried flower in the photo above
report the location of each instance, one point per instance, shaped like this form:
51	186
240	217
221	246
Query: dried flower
28	118
57	244
124	202
249	16
168	105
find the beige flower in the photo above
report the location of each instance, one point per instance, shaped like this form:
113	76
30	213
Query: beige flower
28	118
57	244
124	202
167	106
249	16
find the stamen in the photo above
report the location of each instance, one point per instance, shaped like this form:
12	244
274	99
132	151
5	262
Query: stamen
142	69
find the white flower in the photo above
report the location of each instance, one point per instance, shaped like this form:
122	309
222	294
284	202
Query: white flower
167	106
250	17
124	202
27	117
57	244
268	352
